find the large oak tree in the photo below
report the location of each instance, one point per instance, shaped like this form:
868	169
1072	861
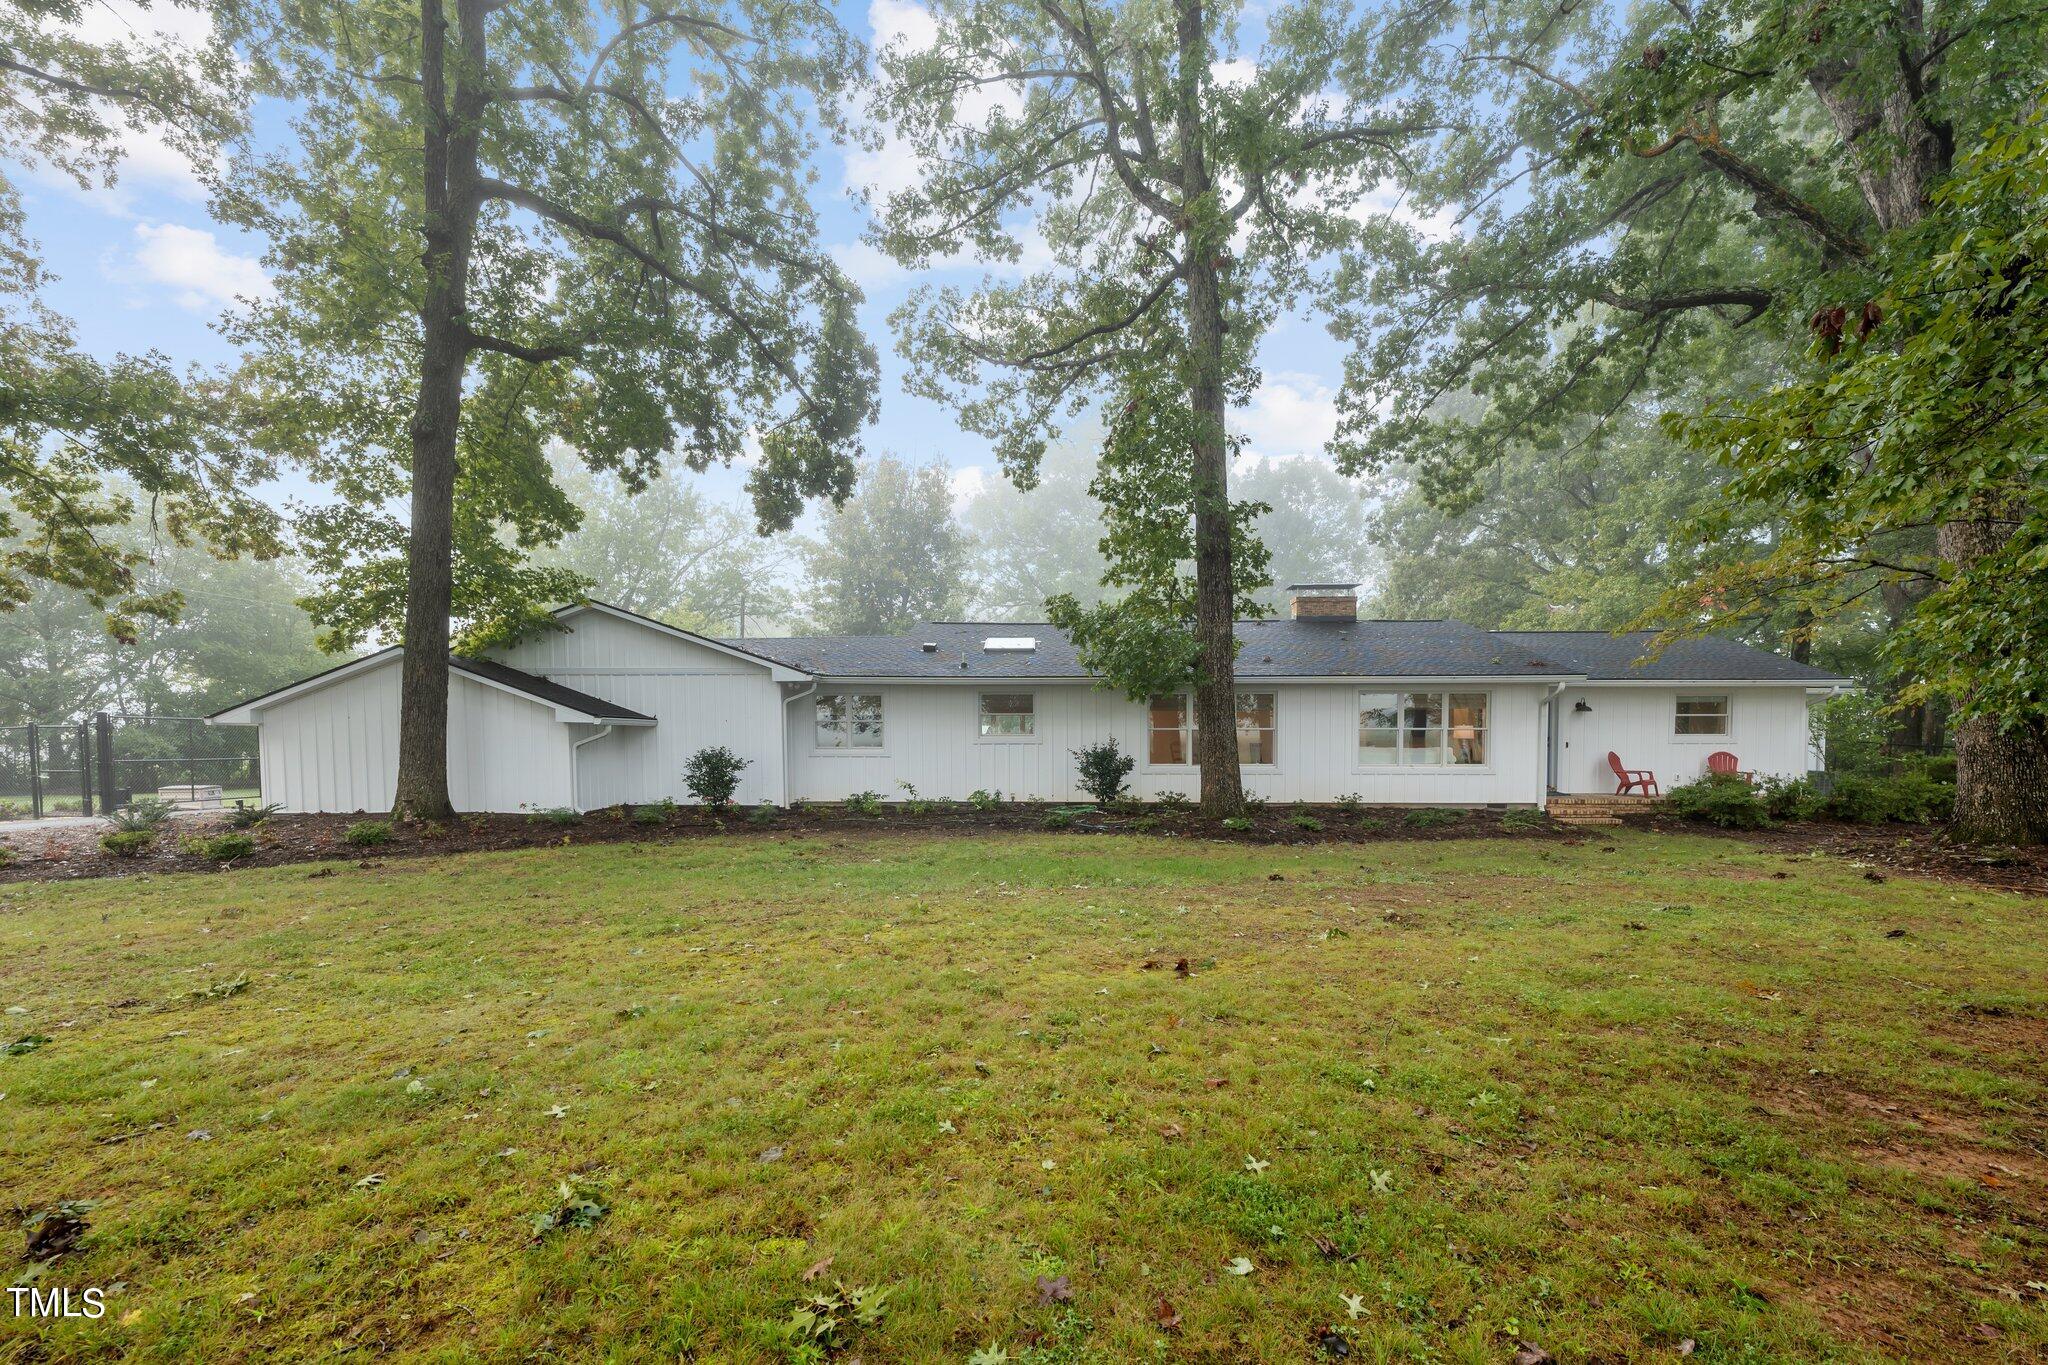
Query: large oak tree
510	222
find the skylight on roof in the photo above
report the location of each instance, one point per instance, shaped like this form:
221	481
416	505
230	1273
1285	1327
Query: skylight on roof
1010	644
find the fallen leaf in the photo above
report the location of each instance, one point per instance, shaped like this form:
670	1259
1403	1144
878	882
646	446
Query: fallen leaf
1324	1246
1527	1353
1180	968
768	1154
1354	1305
1254	1165
1170	1130
1215	1082
1240	1266
1055	1289
820	1268
1687	1347
1334	1345
1166	1315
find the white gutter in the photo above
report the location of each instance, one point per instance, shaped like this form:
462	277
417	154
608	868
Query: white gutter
575	747
794	696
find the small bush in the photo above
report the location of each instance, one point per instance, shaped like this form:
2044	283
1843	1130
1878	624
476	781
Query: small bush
561	816
1720	799
1913	797
1173	803
912	803
1352	804
144	812
984	801
1521	819
1236	822
1935	767
1432	817
655	812
1104	770
1058	819
6	855
368	833
1788	798
713	775
865	803
1370	824
128	843
431	830
221	848
763	814
248	817
1303	820
1145	824
1254	805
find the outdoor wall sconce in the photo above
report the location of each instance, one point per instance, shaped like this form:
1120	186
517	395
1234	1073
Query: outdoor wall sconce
1581	706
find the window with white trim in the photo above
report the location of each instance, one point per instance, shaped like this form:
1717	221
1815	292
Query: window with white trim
1008	715
1171	729
1422	729
849	720
1701	714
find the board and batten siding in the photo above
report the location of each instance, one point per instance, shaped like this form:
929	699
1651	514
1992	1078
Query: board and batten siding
699	696
931	739
335	749
1767	732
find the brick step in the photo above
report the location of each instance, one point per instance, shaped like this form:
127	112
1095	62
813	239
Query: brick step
1578	821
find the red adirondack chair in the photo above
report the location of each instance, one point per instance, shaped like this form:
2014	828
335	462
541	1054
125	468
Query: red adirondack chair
1631	778
1724	764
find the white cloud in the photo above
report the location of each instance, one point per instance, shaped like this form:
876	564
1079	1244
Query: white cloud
902	21
1292	415
203	275
969	482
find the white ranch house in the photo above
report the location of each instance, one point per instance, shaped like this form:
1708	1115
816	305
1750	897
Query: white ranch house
607	708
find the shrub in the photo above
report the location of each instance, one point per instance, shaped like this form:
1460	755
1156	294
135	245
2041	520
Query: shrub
865	803
1520	819
1791	798
654	812
144	812
763	814
221	848
984	801
1303	820
1911	796
1370	823
1352	804
1058	819
1173	803
128	843
1720	799
1851	730
248	817
912	803
1236	822
1254	805
1432	817
1936	767
562	816
713	775
1104	770
368	833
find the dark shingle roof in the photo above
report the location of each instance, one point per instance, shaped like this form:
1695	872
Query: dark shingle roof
540	689
1272	649
1709	658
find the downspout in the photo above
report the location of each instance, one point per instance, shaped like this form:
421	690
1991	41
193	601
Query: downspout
794	696
1549	739
575	765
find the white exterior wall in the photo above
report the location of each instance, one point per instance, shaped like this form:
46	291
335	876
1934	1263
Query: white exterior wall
1767	731
699	697
335	749
931	739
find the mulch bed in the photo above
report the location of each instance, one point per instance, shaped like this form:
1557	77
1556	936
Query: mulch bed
64	854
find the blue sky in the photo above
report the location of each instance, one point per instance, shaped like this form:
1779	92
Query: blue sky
143	266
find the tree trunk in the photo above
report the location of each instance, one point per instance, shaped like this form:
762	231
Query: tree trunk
2001	770
450	198
1215	604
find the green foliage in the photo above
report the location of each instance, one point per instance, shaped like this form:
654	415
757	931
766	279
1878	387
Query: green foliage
1432	817
1720	799
1521	818
367	833
1851	730
1912	797
1058	819
248	817
864	803
560	816
1103	770
985	801
826	1323
647	284
220	848
1174	803
655	812
712	775
1237	823
763	814
912	803
576	1206
889	556
128	843
142	813
1302	820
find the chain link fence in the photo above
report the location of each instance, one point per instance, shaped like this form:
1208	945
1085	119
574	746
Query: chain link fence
99	764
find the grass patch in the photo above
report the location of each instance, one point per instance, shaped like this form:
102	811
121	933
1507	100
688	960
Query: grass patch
1041	1094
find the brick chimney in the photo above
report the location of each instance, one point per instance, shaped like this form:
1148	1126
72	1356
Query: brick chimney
1323	601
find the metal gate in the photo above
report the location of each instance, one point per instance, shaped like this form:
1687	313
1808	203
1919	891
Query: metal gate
71	767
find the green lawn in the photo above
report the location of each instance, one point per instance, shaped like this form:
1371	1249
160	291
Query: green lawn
1606	1098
